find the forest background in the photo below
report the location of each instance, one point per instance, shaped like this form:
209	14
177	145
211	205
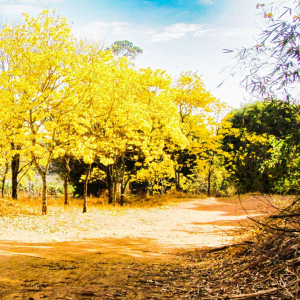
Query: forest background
87	113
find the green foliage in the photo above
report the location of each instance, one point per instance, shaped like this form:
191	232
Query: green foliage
55	188
284	165
213	173
271	129
126	48
262	147
7	187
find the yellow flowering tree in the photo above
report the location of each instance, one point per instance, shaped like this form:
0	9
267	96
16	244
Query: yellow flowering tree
198	111
140	117
39	88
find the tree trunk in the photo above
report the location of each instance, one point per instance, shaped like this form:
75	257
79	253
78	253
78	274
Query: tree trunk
114	190
209	176
86	180
44	194
123	181
15	165
43	171
43	174
66	179
4	179
123	189
177	181
209	182
3	186
110	186
66	184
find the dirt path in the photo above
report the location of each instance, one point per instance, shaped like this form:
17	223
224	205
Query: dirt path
197	223
125	254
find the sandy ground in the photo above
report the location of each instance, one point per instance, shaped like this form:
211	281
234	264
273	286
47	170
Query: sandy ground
113	254
198	223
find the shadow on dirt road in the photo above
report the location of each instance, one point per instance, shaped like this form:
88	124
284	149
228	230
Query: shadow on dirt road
103	269
151	267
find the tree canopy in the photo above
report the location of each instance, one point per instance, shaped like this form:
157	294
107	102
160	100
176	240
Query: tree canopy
126	48
67	100
258	149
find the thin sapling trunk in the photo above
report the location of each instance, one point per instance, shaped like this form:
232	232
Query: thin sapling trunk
66	178
87	174
4	179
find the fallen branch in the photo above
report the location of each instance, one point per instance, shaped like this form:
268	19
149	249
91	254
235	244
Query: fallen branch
260	293
274	228
284	216
216	249
244	296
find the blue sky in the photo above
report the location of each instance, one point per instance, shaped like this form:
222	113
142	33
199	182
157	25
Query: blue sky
176	36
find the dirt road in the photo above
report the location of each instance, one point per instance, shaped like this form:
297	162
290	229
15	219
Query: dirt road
124	254
197	223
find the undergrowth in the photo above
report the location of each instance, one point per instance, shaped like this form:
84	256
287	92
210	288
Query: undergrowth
160	200
32	205
266	265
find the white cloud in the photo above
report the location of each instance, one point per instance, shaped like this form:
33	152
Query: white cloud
234	32
206	2
13	9
101	30
16	10
166	36
208	32
27	1
178	31
183	27
124	30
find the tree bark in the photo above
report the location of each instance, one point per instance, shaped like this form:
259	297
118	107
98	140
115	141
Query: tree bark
123	181
4	179
177	181
66	184
110	186
43	173
114	190
123	189
44	193
209	182
209	176
86	180
66	179
15	165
